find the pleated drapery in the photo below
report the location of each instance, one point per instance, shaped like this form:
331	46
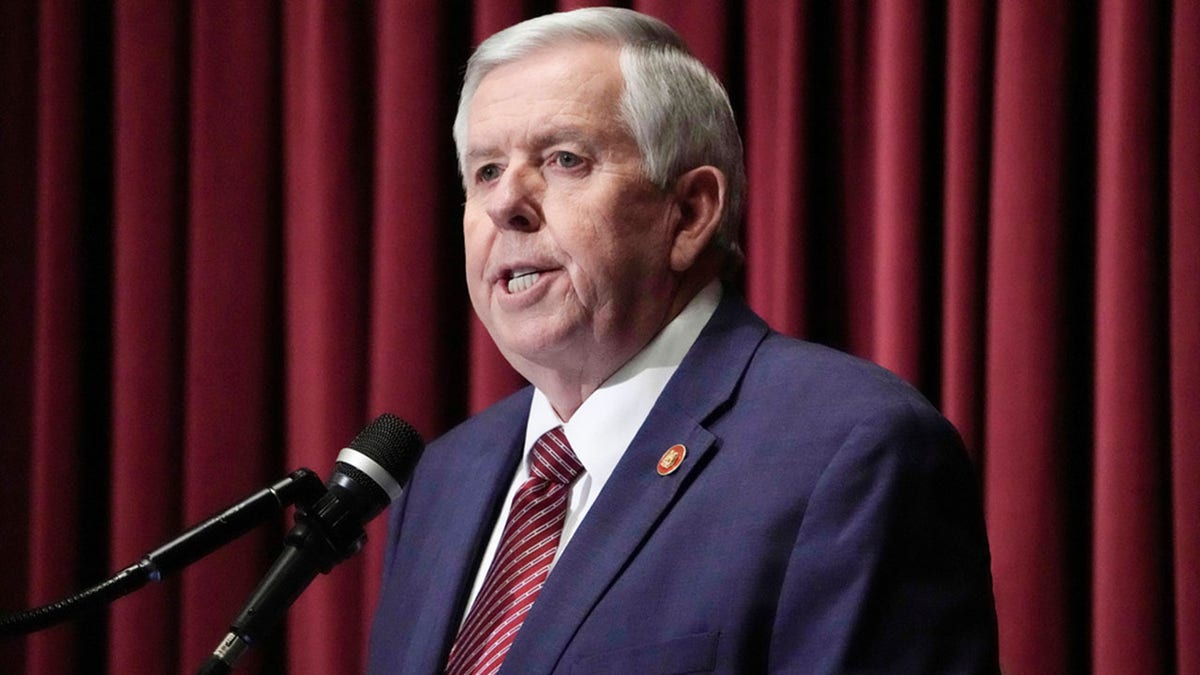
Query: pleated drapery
230	237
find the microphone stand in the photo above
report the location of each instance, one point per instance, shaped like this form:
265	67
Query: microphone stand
301	487
326	533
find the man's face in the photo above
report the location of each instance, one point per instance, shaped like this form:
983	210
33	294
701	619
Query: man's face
567	242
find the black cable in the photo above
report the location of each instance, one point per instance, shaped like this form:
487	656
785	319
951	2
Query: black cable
123	583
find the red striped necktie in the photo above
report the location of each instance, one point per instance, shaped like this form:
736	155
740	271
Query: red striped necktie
522	560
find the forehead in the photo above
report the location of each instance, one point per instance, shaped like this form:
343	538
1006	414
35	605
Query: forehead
562	86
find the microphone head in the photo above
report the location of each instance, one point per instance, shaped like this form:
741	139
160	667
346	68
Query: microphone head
381	458
393	443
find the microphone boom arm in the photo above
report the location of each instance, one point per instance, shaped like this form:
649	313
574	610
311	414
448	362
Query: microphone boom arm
301	487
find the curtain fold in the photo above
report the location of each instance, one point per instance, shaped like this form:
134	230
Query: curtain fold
150	188
417	309
777	171
232	236
967	135
232	361
1183	243
55	465
18	237
1131	412
1035	470
327	104
905	185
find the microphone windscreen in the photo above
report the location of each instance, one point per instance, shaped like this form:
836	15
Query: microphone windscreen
380	459
393	443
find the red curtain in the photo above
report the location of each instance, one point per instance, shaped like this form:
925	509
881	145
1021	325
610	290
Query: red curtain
230	237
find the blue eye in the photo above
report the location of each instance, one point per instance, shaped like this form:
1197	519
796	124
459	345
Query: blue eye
488	173
567	160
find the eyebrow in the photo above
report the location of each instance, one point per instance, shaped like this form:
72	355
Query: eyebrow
476	154
541	141
563	135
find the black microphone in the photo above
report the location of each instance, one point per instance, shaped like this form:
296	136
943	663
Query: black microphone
369	474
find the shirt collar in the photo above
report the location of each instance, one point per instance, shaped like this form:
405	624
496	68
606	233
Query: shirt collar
607	421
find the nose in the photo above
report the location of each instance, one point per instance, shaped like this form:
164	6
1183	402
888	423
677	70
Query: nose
514	202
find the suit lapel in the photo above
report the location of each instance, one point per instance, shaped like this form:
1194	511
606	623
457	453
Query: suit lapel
636	497
456	540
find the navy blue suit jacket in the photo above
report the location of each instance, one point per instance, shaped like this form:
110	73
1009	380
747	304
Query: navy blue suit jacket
826	519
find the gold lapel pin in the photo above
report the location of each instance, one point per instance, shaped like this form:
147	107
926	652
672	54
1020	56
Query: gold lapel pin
671	459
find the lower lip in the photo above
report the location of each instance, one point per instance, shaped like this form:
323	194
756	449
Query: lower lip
526	297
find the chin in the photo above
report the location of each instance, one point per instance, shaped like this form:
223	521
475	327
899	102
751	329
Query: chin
536	343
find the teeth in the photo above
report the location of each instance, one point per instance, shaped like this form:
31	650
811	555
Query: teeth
522	281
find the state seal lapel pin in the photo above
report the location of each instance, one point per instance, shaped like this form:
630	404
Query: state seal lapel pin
671	459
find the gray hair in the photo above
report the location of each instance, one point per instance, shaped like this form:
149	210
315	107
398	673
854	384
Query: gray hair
674	107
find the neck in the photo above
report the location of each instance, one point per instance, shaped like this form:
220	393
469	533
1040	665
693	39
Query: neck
567	388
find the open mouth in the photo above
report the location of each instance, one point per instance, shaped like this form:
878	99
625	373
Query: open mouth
521	280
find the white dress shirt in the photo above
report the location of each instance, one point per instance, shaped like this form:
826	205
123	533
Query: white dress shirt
606	422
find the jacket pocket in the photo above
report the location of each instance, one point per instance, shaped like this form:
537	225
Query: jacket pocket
689	654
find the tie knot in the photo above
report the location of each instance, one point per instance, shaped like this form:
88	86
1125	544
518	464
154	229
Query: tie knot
552	458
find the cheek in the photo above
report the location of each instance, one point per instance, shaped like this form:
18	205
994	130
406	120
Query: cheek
593	253
476	242
635	240
476	247
610	266
614	241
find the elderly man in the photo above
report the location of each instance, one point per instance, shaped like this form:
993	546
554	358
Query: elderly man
681	489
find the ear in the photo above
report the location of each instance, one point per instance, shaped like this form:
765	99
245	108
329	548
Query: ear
699	196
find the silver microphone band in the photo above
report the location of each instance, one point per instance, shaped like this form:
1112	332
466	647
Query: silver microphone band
372	468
